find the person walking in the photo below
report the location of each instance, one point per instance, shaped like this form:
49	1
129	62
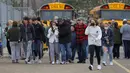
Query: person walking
65	40
117	41
107	43
81	40
94	41
27	37
9	25
38	39
125	31
14	36
53	43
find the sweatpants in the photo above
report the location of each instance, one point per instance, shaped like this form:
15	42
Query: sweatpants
54	51
97	49
15	50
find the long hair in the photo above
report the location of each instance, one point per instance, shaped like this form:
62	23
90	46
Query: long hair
51	26
116	25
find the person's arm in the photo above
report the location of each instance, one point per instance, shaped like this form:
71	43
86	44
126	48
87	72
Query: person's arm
49	33
87	31
42	33
33	32
99	34
121	30
56	32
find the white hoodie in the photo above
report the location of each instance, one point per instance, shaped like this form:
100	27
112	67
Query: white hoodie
94	35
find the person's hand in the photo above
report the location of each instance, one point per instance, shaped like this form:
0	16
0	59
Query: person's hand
105	49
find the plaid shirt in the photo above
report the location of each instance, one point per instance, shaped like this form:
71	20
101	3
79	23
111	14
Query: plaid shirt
80	33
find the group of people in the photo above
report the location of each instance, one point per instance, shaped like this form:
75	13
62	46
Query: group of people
95	38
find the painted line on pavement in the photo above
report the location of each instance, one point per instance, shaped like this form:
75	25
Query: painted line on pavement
126	69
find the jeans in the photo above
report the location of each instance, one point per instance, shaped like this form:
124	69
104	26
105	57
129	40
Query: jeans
66	52
108	50
127	48
97	49
86	46
15	49
27	49
54	51
37	49
81	47
73	53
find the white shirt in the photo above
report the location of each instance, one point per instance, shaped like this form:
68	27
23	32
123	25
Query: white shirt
53	37
94	35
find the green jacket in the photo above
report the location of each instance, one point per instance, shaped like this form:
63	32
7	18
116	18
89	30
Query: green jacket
117	36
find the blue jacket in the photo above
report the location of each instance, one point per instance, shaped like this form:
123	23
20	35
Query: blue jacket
109	36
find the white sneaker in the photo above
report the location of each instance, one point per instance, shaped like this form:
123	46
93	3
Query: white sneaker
111	63
36	60
39	61
104	63
90	67
62	63
57	62
53	63
99	67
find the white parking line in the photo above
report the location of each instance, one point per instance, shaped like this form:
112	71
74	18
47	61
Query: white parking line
126	69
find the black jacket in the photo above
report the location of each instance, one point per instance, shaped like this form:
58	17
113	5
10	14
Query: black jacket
39	31
64	33
14	34
27	32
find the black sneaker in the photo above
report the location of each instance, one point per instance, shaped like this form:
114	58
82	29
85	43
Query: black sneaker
79	62
90	67
83	62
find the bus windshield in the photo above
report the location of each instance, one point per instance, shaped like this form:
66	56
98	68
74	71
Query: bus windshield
49	15
115	14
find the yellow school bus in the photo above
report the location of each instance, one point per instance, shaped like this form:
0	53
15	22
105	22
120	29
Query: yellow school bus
47	12
112	11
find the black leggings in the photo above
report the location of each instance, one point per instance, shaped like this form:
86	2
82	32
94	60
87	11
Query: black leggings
8	47
116	51
97	49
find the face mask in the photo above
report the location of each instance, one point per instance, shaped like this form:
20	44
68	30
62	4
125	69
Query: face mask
106	28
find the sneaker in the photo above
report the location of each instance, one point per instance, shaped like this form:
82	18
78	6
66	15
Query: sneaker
111	63
13	61
57	62
31	62
79	62
99	67
104	64
90	67
53	63
26	61
62	63
39	61
36	60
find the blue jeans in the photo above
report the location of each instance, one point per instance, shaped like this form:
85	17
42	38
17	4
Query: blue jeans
66	52
81	47
86	46
108	50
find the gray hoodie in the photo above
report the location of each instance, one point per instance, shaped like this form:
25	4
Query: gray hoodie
125	31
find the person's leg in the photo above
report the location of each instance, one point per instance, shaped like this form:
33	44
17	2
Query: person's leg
98	54
91	51
79	46
29	50
17	48
83	49
125	48
114	51
73	53
68	51
39	49
25	44
57	51
51	50
105	50
128	49
118	51
63	53
110	53
12	45
8	47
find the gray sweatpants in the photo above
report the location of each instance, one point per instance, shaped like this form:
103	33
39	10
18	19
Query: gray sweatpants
54	51
15	50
